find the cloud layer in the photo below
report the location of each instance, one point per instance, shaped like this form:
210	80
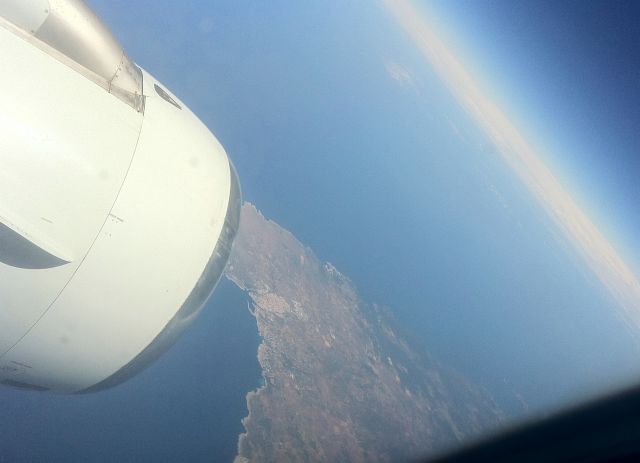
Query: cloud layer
594	248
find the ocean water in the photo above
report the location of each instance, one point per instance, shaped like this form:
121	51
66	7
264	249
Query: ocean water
185	407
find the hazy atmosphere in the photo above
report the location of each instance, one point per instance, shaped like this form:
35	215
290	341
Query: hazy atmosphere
438	238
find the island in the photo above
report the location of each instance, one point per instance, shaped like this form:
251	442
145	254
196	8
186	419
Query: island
340	383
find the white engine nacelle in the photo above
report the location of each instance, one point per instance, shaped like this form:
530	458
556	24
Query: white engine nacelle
118	207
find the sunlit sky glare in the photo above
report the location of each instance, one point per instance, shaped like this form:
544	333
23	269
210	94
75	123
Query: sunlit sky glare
597	251
566	76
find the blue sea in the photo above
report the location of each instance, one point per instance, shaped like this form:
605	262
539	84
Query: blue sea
186	407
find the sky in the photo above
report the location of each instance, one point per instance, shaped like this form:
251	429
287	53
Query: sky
597	251
566	75
345	133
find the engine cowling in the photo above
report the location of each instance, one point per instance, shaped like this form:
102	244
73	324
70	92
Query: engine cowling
118	207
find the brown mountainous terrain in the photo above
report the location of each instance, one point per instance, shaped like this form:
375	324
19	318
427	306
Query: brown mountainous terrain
340	383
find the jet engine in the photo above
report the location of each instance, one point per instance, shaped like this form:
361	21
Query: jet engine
118	207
